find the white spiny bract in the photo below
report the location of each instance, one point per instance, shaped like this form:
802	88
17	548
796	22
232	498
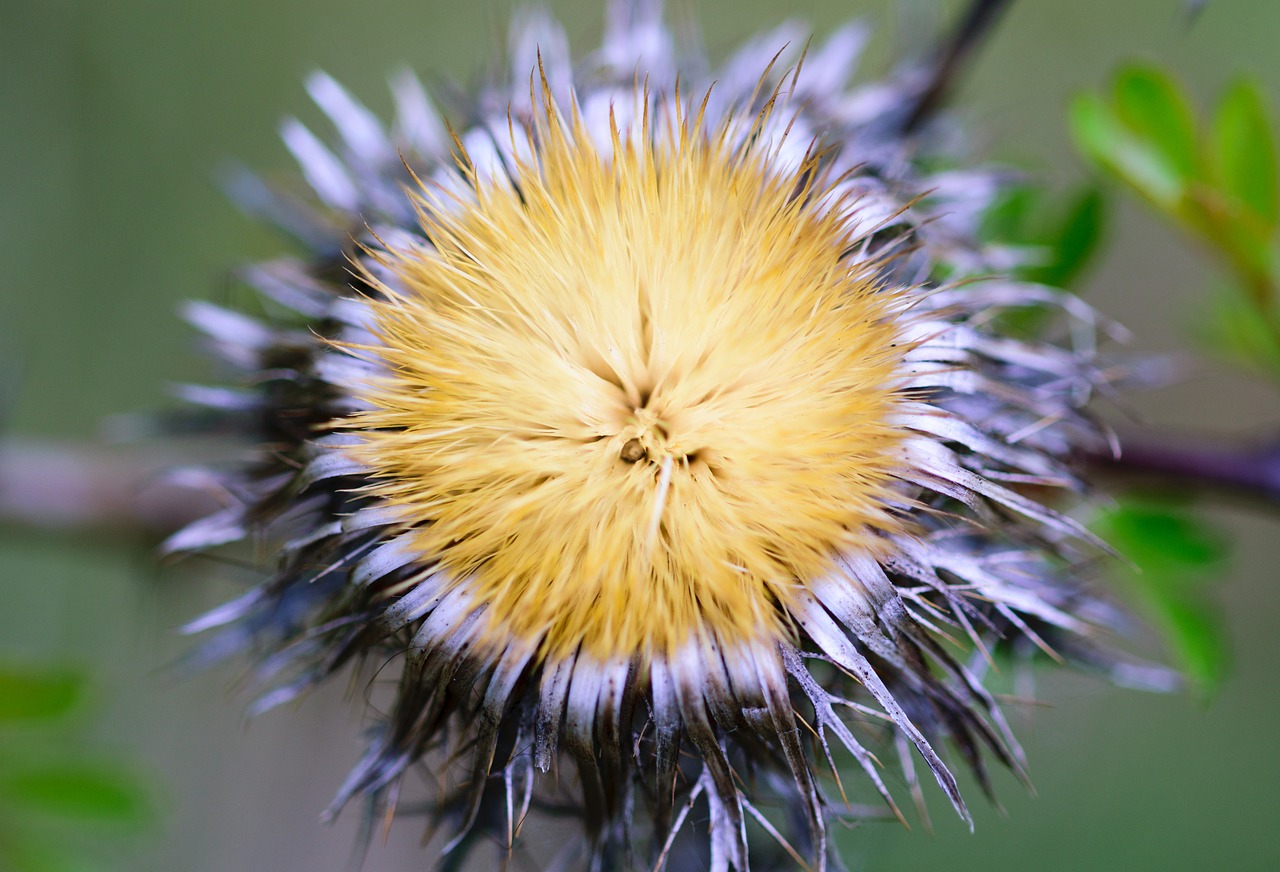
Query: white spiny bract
665	430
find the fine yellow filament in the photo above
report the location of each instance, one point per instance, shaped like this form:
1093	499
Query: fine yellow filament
634	396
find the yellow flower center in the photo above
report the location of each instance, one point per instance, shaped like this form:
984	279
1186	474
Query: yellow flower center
634	399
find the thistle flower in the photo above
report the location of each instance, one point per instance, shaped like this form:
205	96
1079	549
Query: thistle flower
665	429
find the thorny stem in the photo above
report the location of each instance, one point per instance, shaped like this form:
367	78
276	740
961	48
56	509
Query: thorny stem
976	23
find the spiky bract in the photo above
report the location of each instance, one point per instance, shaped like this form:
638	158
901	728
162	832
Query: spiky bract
649	439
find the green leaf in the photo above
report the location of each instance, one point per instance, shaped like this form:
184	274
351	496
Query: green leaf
1094	126
1244	151
1077	239
1151	105
38	694
85	792
1009	219
1195	631
1238	331
1175	554
1105	139
1161	538
1220	186
32	856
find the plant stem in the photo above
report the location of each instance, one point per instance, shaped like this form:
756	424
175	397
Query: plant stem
1248	470
71	487
976	23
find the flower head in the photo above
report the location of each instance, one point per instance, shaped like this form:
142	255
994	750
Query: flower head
584	404
644	431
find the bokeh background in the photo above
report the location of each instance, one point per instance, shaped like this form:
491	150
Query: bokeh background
114	117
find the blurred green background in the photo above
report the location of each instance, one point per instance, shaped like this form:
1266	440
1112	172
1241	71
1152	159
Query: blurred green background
113	119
